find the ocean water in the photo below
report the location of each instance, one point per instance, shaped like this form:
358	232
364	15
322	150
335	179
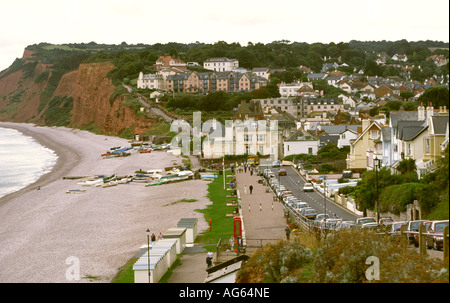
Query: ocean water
22	161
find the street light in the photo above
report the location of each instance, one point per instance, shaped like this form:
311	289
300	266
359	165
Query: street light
325	196
148	253
377	164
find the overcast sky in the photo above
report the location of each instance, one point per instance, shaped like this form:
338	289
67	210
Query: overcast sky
26	22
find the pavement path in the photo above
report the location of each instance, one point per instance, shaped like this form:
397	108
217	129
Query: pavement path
263	217
264	222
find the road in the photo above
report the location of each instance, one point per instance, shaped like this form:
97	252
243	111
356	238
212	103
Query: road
294	182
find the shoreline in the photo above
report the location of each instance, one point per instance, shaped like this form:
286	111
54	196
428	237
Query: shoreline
59	168
103	227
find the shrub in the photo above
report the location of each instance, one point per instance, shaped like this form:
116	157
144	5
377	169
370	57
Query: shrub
275	263
342	259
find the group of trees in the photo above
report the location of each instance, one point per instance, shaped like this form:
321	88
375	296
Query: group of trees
395	191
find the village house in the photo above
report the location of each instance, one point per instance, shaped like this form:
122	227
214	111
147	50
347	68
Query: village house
221	64
301	142
366	147
398	57
165	61
249	133
150	81
295	88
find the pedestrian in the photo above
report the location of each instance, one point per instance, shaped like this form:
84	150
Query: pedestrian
251	189
209	258
245	189
208	262
153	238
288	232
160	236
251	171
245	168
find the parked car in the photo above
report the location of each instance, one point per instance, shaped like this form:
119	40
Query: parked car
276	163
395	227
329	224
413	226
437	239
287	192
282	172
364	220
319	218
416	236
299	206
385	220
308	187
345	225
370	226
310	213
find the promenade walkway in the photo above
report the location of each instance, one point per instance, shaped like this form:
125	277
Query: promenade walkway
264	222
263	217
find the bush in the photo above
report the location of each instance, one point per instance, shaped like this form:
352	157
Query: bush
342	259
276	263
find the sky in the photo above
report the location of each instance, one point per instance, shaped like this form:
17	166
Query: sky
27	22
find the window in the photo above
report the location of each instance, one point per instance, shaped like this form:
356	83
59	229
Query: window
247	150
427	146
310	151
373	134
408	151
247	138
261	138
261	149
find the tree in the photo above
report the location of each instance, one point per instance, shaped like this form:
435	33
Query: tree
437	95
407	166
406	95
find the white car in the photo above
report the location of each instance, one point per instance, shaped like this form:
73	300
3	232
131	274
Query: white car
308	187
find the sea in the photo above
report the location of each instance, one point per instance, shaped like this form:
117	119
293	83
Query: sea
22	161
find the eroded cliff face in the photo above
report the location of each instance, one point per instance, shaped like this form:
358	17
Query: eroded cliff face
22	99
91	91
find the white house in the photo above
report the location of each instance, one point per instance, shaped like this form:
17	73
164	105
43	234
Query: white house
262	72
301	142
221	64
150	81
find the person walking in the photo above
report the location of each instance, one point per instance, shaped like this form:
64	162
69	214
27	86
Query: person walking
209	258
251	189
288	232
160	236
153	238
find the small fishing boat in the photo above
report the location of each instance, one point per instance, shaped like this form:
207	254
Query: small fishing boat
75	191
157	183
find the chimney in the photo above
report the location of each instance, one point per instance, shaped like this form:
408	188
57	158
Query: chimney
420	112
365	124
443	111
430	111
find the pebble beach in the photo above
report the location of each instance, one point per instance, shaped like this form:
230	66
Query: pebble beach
41	231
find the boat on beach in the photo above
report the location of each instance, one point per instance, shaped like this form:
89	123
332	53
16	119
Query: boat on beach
75	191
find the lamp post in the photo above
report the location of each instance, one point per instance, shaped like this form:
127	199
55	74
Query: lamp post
325	196
148	253
376	163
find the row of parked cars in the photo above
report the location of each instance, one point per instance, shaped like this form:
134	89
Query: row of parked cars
433	229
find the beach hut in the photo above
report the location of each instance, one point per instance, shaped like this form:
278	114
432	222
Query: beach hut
178	233
191	228
157	268
169	246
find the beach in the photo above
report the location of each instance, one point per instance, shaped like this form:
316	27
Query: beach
43	231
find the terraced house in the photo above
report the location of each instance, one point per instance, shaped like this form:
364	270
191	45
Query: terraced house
207	82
